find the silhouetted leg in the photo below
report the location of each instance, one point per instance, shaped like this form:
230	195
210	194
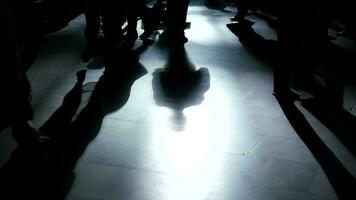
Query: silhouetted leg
281	76
283	67
136	9
177	15
152	19
132	27
310	48
92	14
113	21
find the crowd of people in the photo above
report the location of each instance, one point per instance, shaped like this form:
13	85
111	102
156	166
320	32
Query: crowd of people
24	21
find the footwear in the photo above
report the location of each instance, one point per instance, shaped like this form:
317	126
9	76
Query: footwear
132	35
178	39
285	95
146	34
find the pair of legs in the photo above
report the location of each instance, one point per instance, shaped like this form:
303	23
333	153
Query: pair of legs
300	43
103	31
242	10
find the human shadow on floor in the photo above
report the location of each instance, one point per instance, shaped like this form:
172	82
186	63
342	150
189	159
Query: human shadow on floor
179	85
272	23
342	181
252	41
48	174
328	109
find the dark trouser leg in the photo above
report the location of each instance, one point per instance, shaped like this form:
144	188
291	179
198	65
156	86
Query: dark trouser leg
137	9
242	10
282	71
22	113
177	15
112	28
92	13
132	27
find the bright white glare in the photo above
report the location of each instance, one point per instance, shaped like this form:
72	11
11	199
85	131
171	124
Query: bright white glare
191	159
203	30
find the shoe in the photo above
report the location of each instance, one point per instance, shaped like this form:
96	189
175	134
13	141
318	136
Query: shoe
178	39
286	95
132	35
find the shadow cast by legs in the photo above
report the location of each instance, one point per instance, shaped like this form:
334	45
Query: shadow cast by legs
253	41
329	111
179	85
36	174
342	181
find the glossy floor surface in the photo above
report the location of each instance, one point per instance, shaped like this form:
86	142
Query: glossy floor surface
227	138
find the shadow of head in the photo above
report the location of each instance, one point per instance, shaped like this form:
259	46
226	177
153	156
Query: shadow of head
179	85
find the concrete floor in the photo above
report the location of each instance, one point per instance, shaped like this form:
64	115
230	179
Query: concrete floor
236	143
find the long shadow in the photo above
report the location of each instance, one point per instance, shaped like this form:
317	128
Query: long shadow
253	42
342	181
325	58
48	174
327	107
329	110
179	85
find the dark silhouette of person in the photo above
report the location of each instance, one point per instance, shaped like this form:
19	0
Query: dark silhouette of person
103	32
136	9
105	19
179	85
94	28
20	35
154	19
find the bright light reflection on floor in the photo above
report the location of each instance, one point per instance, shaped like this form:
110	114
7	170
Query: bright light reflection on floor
190	157
202	30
